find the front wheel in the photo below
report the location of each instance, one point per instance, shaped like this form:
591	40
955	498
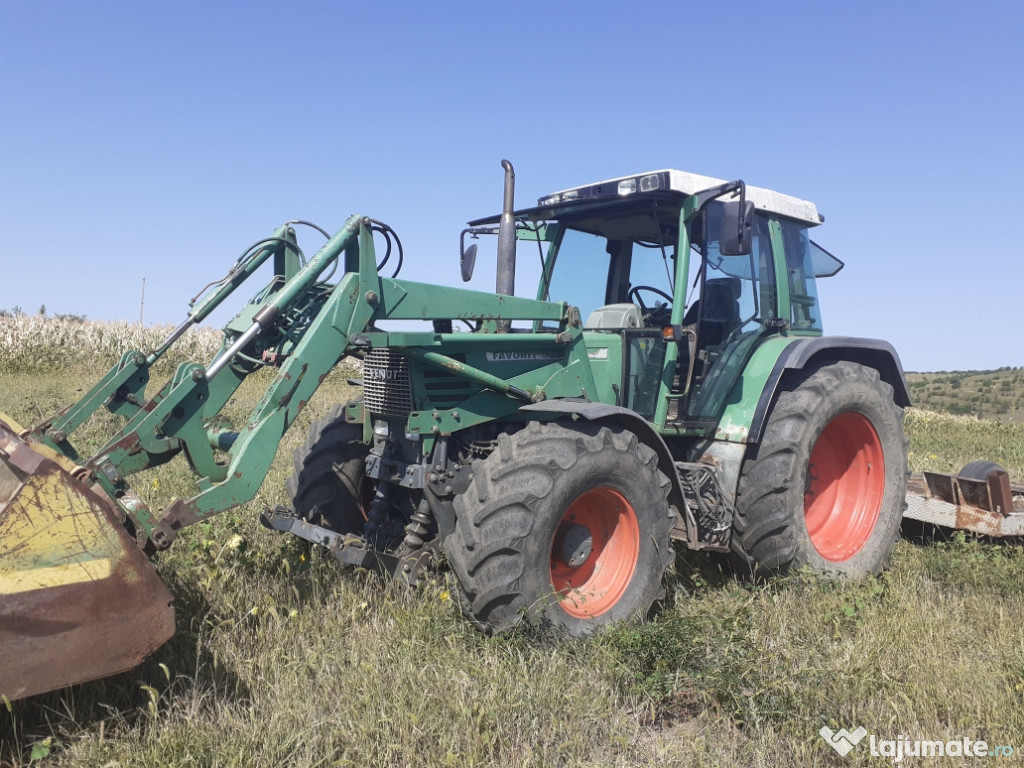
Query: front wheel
330	487
826	486
566	526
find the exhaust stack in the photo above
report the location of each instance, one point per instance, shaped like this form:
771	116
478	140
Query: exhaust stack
505	282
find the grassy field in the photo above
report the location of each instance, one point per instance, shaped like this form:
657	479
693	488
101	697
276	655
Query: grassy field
283	658
997	395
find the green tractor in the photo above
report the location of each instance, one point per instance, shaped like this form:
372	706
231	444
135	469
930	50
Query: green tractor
670	383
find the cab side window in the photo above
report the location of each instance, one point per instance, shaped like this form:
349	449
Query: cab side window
805	314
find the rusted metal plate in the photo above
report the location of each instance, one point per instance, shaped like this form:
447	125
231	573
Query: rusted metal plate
992	507
78	600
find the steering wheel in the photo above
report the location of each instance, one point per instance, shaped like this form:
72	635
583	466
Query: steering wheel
634	295
660	313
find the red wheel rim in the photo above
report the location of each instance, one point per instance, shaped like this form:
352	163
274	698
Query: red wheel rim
845	486
594	586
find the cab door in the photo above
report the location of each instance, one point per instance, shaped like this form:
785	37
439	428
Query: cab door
736	309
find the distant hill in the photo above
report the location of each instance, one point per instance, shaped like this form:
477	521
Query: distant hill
985	394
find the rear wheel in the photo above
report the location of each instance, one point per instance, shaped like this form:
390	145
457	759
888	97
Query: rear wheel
567	526
826	486
329	487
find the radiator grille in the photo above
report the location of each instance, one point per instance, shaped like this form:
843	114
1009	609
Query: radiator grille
386	387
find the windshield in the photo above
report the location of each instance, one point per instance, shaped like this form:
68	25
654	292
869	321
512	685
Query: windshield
580	274
625	257
593	271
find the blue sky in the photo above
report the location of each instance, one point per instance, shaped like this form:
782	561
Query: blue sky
158	139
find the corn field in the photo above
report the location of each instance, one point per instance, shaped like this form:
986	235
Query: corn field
31	343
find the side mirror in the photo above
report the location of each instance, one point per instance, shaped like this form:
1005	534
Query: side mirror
468	262
468	255
736	236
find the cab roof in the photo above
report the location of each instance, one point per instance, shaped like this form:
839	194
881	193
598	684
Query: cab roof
666	182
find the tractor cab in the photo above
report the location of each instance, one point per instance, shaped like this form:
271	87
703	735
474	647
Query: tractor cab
673	302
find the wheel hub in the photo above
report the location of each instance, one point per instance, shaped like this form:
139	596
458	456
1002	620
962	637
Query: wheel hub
594	552
577	544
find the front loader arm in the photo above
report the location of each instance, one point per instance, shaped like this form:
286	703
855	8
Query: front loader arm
339	327
303	324
324	344
185	414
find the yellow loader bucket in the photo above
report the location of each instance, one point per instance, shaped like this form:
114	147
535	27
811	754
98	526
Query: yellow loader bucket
78	599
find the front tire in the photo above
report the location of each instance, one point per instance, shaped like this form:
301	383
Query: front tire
567	526
329	487
826	487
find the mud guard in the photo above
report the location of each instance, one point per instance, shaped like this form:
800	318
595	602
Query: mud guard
872	353
627	419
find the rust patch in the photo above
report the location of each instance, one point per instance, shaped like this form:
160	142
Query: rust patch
987	506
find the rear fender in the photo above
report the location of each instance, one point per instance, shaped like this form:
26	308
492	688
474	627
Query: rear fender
871	353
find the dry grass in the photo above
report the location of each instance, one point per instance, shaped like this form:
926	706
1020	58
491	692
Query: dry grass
943	443
283	658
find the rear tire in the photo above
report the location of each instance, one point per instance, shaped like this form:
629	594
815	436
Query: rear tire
567	526
826	487
329	487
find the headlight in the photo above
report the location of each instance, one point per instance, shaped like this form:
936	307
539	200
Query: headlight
650	183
